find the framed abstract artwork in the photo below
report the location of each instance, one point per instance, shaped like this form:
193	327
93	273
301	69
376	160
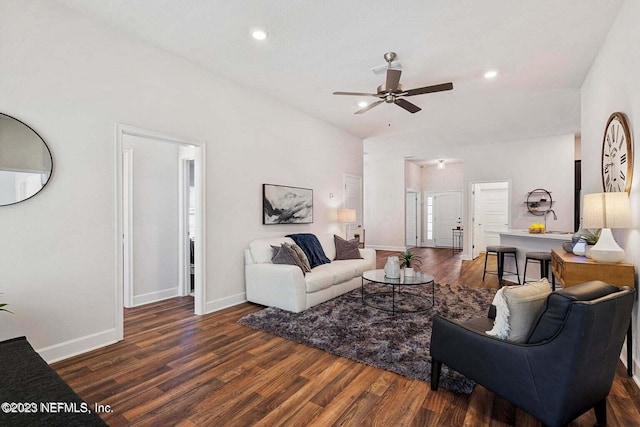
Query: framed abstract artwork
286	205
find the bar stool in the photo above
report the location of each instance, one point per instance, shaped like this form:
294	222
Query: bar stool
500	252
544	258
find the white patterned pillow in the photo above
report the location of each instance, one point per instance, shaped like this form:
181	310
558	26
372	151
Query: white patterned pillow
517	307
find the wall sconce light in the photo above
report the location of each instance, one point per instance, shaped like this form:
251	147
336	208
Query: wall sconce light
440	164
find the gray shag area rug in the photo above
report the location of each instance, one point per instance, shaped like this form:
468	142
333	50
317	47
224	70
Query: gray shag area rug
344	326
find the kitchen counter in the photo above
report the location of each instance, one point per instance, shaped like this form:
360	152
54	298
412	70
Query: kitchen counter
549	235
525	242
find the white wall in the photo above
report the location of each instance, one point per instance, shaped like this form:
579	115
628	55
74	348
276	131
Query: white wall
412	175
155	218
526	164
72	79
451	178
613	84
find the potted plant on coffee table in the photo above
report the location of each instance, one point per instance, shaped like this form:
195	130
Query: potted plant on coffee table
407	260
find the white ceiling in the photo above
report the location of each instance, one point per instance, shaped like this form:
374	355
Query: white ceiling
542	50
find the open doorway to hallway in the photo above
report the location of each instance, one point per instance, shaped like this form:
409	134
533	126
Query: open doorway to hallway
160	218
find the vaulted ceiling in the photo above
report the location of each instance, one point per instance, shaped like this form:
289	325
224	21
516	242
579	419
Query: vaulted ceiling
542	51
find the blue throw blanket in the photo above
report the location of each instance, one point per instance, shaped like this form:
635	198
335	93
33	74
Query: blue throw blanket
311	247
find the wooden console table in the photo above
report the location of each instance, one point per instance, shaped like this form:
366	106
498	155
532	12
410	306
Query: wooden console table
571	270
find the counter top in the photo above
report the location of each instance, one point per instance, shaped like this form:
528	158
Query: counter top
553	235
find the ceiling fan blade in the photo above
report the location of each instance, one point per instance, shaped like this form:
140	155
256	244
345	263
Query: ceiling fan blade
369	107
355	93
429	89
412	108
393	79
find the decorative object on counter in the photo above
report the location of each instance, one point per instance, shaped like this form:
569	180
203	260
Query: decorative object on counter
539	201
580	247
590	238
536	228
607	211
568	246
617	155
409	257
392	267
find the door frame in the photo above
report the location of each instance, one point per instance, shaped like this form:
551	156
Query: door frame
418	215
199	248
472	210
360	209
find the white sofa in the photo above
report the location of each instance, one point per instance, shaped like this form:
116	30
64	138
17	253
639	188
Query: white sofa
284	286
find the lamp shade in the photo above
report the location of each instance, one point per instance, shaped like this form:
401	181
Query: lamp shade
606	210
346	215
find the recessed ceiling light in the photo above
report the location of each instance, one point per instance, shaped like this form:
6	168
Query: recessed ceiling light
259	33
490	74
362	104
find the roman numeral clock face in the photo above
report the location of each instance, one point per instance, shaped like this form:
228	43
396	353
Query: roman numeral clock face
617	155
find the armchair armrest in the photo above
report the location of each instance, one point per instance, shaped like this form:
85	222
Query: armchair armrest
500	366
276	285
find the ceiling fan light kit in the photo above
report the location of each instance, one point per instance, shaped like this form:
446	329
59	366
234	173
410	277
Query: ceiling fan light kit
392	92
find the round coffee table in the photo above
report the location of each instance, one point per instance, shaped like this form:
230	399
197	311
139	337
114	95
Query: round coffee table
399	299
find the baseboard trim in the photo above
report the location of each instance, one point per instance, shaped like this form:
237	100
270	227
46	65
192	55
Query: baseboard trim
225	302
74	347
636	367
155	296
387	248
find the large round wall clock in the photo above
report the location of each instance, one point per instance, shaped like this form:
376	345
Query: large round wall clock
617	155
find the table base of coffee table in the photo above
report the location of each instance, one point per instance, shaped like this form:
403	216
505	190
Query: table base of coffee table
398	297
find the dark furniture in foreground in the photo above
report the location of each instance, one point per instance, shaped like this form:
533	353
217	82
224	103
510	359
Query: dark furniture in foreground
33	394
565	368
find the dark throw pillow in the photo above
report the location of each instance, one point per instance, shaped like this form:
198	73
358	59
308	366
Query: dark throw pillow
310	244
306	266
286	255
346	249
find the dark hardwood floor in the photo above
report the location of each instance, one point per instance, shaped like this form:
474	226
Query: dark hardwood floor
175	368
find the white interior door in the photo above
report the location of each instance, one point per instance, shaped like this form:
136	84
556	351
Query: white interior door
411	222
353	200
448	215
490	215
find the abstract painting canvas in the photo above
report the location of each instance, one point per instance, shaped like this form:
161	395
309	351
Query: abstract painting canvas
286	205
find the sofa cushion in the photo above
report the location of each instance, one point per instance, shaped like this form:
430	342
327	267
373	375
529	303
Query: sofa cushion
310	244
346	249
261	249
328	245
319	279
518	309
327	275
358	266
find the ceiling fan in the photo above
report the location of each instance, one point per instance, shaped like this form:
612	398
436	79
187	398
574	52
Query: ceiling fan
392	93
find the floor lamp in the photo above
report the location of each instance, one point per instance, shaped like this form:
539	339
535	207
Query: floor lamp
346	216
606	211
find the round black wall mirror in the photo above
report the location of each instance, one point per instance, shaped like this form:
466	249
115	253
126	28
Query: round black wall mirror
26	163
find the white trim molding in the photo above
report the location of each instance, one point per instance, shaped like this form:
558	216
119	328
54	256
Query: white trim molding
67	349
199	241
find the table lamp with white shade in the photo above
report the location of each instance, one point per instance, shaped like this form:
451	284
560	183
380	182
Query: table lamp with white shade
606	211
346	216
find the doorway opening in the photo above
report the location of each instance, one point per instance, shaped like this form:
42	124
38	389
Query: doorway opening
159	219
489	214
